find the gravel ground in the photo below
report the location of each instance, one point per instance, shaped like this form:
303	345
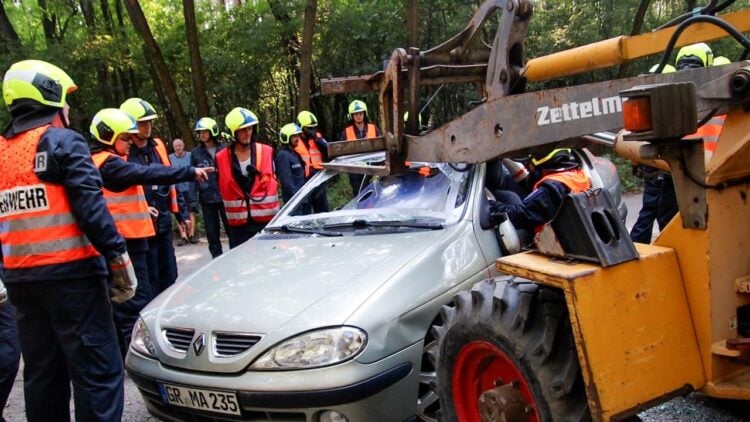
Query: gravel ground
692	408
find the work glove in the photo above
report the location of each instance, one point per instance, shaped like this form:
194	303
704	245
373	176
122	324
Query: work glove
124	282
3	294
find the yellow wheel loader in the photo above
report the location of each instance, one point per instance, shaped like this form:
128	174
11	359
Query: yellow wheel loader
589	325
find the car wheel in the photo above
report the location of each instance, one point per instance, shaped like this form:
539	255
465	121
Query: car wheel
428	403
507	353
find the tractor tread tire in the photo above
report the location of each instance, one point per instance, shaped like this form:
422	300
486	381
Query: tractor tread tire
530	323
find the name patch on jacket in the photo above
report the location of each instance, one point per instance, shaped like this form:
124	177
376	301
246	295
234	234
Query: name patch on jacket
23	199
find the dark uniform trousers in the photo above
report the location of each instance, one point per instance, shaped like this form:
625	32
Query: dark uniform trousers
213	216
75	319
126	313
10	352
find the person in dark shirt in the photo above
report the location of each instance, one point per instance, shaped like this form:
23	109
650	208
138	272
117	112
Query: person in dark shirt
148	150
55	254
209	197
113	129
290	169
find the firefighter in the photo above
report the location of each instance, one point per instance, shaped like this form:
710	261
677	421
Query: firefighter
247	182
57	237
659	197
290	166
208	192
148	150
555	175
123	191
359	127
313	149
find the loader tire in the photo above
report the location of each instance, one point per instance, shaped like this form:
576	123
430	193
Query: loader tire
511	333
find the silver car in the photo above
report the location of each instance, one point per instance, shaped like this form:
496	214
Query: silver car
325	317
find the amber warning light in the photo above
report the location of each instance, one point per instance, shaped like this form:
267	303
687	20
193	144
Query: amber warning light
659	112
636	112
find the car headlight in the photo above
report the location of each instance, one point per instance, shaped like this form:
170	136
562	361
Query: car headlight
141	340
314	349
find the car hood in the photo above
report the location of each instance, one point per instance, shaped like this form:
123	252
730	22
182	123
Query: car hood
277	288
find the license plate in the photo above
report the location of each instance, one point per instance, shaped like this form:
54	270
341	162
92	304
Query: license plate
208	400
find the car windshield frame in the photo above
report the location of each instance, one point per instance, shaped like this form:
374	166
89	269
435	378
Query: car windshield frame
412	198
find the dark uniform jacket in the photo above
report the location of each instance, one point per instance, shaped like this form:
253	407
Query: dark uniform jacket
208	191
157	196
118	175
69	164
290	170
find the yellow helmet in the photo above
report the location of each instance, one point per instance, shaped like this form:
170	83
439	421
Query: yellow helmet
357	106
37	81
209	124
668	68
694	55
240	118
140	109
559	159
109	123
306	119
721	61
287	131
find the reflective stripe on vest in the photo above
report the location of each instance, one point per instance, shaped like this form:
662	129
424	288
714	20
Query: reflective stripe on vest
37	226
316	157
709	132
302	151
161	151
262	203
351	134
575	180
129	208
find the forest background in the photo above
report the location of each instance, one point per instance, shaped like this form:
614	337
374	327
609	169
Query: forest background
194	58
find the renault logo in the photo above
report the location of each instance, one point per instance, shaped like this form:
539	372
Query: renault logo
199	344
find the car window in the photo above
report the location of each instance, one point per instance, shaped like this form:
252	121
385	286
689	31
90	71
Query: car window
426	195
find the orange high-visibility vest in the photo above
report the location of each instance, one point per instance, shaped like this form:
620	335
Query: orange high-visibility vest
161	151
37	225
310	154
575	180
263	201
351	134
129	208
302	151
710	133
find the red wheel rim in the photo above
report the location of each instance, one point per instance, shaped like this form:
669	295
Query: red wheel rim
481	366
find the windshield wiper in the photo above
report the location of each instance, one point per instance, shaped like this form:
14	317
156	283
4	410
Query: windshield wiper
286	228
361	224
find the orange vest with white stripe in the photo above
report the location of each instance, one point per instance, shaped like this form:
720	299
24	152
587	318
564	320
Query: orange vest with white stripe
37	225
129	208
710	133
351	134
575	180
311	156
161	151
263	201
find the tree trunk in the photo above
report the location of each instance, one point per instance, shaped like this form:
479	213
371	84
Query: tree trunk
640	15
48	23
153	52
196	64
8	34
690	5
305	67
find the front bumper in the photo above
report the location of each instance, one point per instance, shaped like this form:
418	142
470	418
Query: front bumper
383	390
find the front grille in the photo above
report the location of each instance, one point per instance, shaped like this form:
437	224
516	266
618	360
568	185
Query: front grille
179	339
232	344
